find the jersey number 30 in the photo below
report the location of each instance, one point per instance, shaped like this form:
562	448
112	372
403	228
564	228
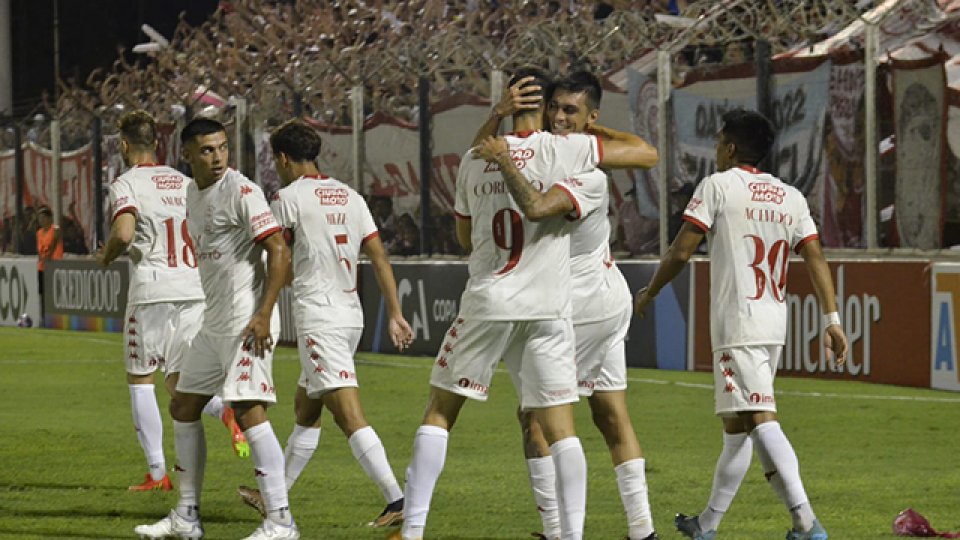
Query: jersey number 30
776	259
189	254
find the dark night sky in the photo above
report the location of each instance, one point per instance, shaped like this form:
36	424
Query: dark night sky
90	31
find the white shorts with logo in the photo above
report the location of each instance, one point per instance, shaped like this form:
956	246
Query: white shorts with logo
326	360
539	355
601	354
157	335
224	365
743	378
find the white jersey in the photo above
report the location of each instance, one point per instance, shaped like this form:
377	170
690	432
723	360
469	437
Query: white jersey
164	260
226	220
598	289
330	222
752	221
519	269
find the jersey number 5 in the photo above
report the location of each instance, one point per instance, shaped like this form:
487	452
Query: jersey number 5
189	254
776	259
514	244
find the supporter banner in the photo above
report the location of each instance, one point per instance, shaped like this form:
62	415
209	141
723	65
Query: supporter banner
19	290
8	184
800	101
615	112
920	111
881	305
79	294
945	323
430	300
644	109
77	197
843	194
266	173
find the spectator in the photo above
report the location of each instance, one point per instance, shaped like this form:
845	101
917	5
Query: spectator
381	207
49	241
637	234
407	240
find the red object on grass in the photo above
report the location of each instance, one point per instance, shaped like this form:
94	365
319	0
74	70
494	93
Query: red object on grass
911	523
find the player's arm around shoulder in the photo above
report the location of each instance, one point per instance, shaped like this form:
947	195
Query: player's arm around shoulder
399	329
623	150
536	206
834	337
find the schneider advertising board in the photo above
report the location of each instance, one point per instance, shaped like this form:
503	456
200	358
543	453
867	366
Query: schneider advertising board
81	295
19	290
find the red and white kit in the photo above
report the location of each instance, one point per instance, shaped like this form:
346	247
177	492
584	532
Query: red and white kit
602	305
519	284
752	221
330	222
226	222
165	300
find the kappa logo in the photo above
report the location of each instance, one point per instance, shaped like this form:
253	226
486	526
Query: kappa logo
332	196
167	181
452	333
729	388
311	342
131	343
315	356
244	377
245	362
447	348
725	357
132	320
259	472
245	190
766	192
442	361
134	356
727	372
132	331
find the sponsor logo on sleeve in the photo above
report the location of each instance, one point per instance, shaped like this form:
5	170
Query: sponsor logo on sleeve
262	221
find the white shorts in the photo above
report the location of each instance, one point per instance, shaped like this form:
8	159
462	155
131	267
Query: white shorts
743	378
157	335
539	355
224	365
601	354
326	360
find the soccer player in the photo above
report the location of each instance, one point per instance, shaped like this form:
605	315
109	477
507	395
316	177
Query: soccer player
516	305
602	309
165	300
328	224
231	227
751	220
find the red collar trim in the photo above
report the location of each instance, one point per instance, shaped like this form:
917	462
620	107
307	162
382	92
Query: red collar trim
315	176
148	165
524	134
750	169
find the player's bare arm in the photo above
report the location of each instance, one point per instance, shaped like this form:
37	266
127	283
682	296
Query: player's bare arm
121	234
673	261
288	239
400	332
278	266
464	230
623	150
835	339
535	206
522	95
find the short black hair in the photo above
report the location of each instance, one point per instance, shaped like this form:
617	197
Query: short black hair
297	140
751	132
582	81
44	209
138	128
198	127
540	78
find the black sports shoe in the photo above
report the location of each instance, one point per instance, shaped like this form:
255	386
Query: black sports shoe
391	515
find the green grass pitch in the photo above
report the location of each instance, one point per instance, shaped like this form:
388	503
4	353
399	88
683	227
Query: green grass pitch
68	452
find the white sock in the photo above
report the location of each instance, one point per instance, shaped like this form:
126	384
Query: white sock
268	468
571	467
214	408
369	451
782	469
426	464
149	426
732	466
191	445
632	481
301	445
543	481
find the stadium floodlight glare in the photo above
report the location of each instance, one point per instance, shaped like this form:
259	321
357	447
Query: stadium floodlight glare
145	48
675	21
154	36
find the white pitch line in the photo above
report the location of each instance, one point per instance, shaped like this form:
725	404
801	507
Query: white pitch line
702	386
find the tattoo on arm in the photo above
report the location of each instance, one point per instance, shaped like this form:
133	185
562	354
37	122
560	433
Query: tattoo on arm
521	190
